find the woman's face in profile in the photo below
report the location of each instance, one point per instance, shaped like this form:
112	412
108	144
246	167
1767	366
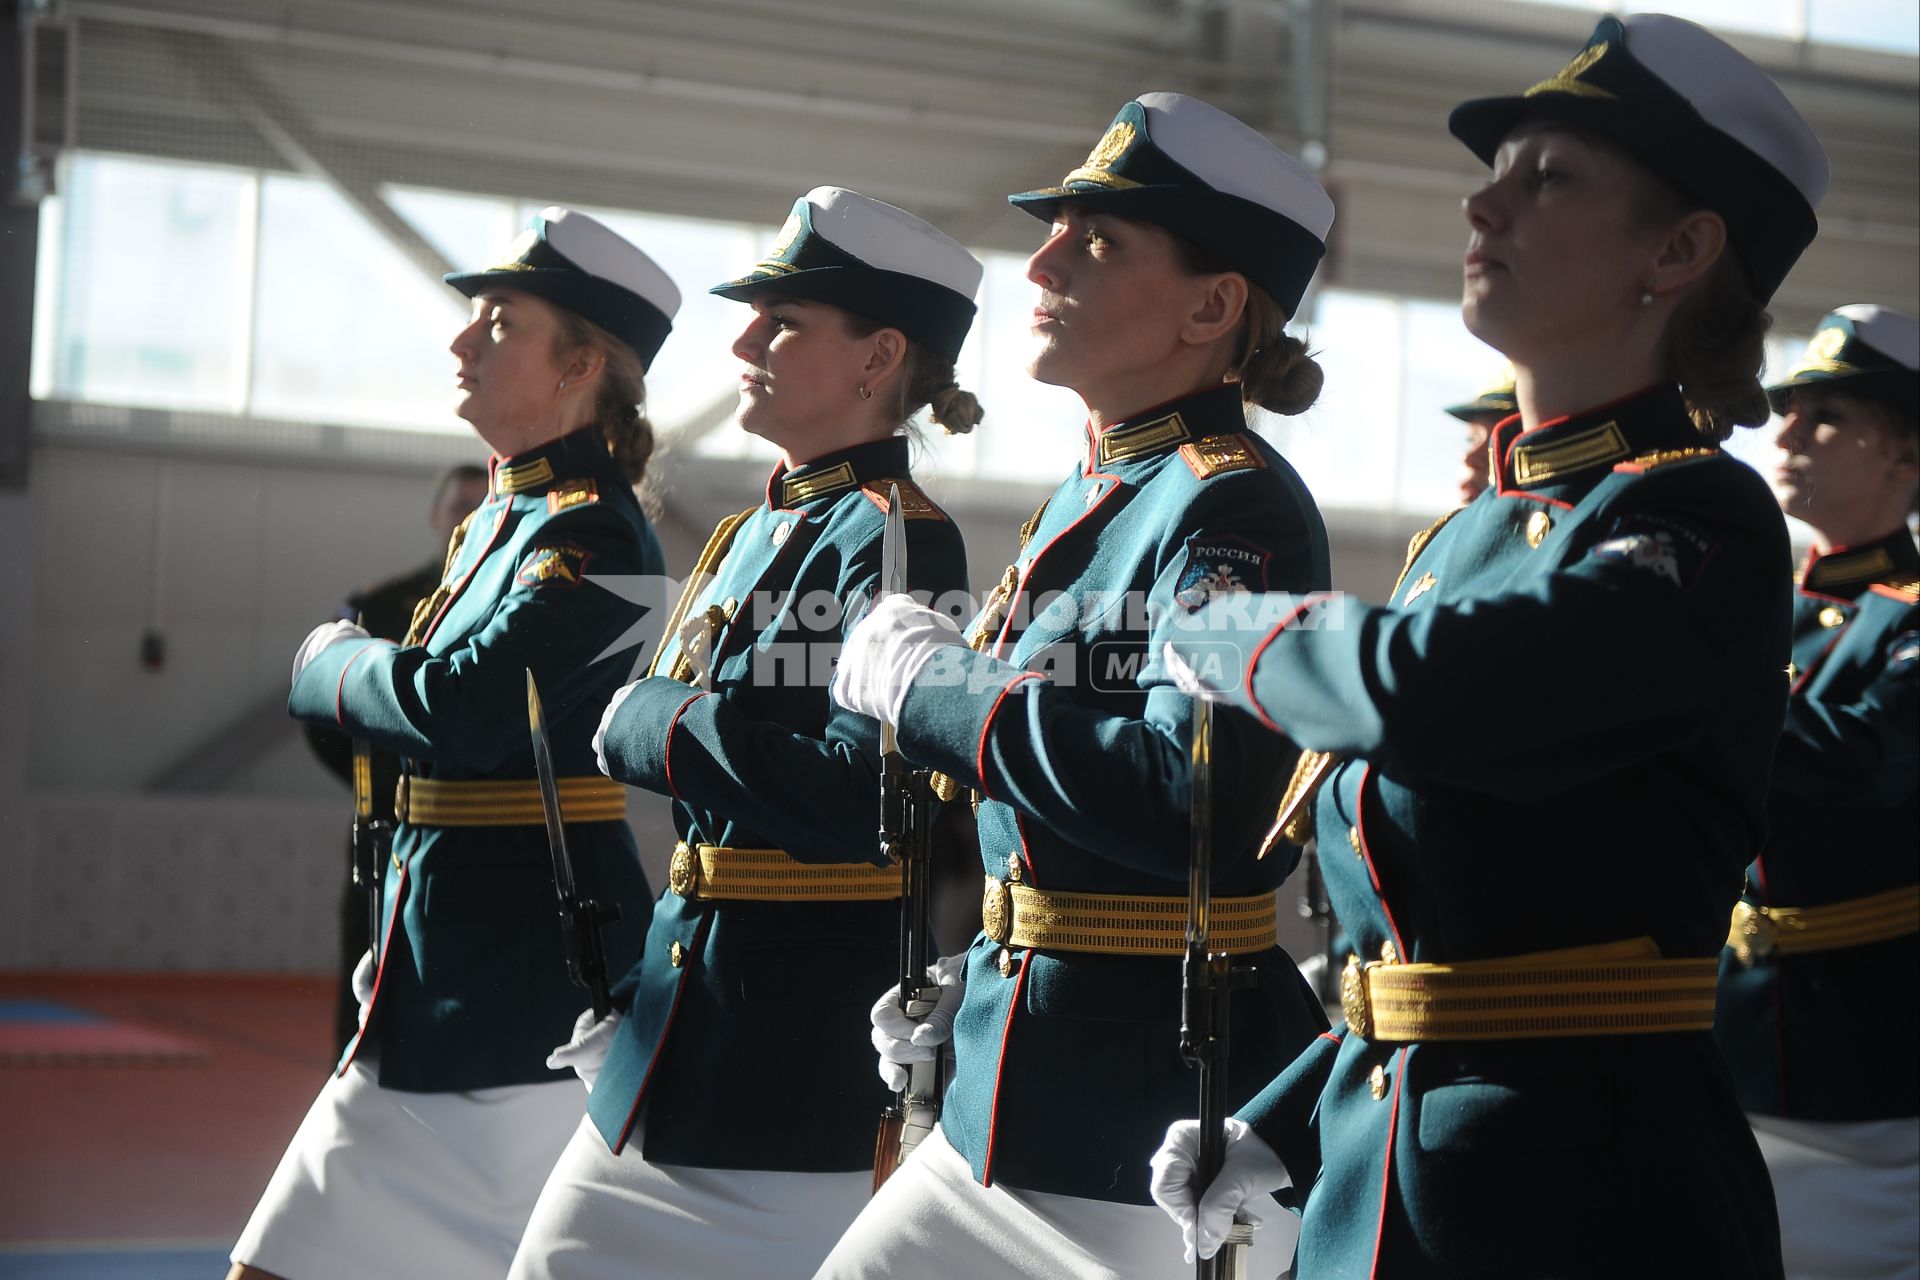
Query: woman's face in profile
509	367
802	370
1559	246
1113	294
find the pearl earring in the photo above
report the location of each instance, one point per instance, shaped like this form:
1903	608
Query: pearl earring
563	384
1646	297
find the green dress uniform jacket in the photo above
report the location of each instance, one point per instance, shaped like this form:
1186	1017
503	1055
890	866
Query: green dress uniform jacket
1843	823
1077	746
735	1003
1557	734
472	989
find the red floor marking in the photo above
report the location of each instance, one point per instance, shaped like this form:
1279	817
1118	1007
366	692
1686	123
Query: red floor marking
101	1153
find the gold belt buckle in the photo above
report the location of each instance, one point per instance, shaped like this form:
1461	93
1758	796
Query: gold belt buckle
1353	997
683	870
996	911
1754	932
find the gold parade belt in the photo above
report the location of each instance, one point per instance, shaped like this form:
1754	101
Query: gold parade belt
1758	932
429	803
1614	988
714	872
1121	924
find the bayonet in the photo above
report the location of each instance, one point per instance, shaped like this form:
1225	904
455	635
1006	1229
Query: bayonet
580	918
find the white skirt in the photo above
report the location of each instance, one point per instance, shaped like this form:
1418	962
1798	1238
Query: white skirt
1849	1196
608	1217
378	1183
933	1219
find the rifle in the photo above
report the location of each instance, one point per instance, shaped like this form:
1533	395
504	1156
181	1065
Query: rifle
580	918
1208	979
372	839
906	838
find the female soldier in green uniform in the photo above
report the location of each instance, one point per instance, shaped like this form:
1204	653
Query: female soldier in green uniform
1826	940
730	1130
1177	253
424	1154
1553	743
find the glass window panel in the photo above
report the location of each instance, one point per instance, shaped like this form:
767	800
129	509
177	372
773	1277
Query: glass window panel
469	231
1444	364
48	261
151	306
349	329
1893	25
696	374
1032	430
1345	446
1772	17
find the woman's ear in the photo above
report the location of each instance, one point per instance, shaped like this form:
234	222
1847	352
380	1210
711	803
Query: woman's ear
886	352
584	365
1693	245
1219	303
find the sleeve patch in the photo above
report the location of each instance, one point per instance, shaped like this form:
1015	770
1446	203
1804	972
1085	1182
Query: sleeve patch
1216	454
559	566
1649	544
571	494
1218	565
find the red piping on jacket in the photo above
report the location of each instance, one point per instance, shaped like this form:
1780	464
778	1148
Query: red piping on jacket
386	949
986	727
659	1046
1386	1164
667	753
999	1069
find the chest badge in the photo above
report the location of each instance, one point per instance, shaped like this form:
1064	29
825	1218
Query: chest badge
1425	583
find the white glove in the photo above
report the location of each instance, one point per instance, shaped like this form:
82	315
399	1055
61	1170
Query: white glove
606	718
320	637
883	654
363	984
1250	1168
1185	678
900	1040
586	1053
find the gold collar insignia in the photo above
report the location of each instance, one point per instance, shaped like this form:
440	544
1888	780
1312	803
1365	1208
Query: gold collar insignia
1123	443
798	489
1856	567
1537	463
522	478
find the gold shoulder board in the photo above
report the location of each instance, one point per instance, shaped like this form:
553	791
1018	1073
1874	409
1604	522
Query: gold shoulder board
914	504
1215	455
571	493
1418	543
1663	457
